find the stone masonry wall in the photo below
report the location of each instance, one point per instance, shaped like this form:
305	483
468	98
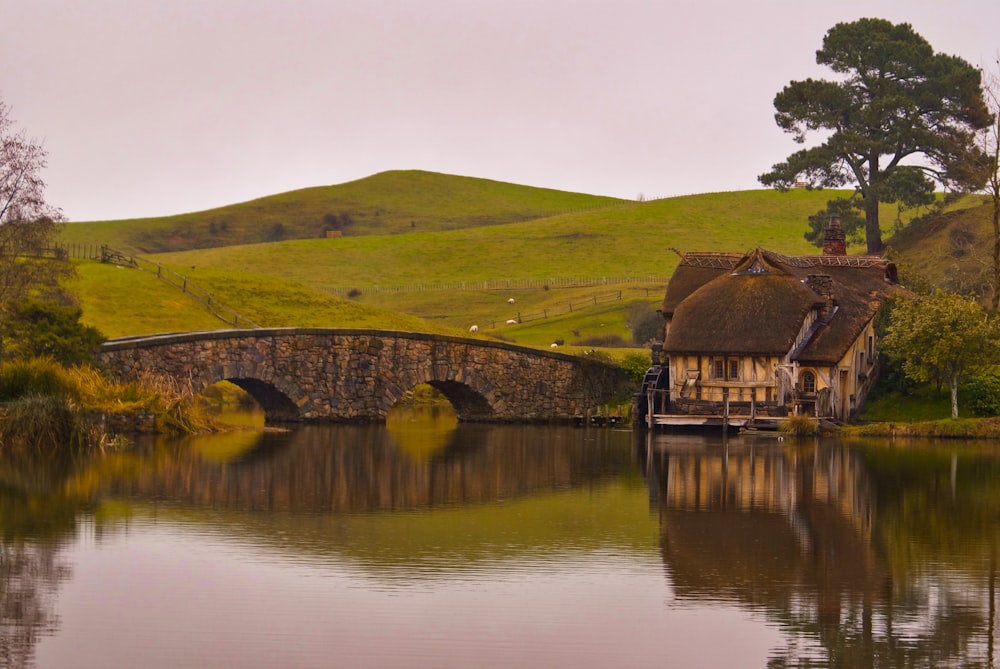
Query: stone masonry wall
357	375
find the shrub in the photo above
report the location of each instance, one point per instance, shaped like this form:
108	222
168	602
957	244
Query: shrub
37	328
35	376
636	365
800	426
46	425
47	405
645	322
983	394
600	356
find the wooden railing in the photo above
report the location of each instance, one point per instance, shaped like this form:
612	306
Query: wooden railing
217	308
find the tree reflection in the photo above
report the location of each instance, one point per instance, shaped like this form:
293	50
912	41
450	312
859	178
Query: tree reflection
36	517
864	556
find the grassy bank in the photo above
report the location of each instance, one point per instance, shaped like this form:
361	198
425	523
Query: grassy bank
948	428
924	411
46	408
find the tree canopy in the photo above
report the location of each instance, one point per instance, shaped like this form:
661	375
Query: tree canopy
942	337
988	141
895	99
28	267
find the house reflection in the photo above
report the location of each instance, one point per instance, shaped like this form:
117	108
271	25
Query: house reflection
768	526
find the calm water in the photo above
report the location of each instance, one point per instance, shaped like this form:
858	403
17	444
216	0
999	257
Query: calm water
417	545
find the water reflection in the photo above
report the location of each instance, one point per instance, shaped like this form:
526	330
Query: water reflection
37	516
834	554
855	552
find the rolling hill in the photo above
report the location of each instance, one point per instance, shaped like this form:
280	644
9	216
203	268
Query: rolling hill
383	204
438	253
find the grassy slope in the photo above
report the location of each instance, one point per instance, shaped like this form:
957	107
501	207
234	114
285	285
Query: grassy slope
386	203
294	282
121	302
631	239
950	251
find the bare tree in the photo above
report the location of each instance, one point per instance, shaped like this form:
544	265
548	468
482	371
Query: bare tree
22	191
28	224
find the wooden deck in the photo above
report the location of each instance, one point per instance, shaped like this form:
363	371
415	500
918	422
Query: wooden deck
707	420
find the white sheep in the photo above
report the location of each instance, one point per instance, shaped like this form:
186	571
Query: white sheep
474	328
553	345
511	321
510	301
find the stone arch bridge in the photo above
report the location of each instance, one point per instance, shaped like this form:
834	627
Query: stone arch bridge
322	374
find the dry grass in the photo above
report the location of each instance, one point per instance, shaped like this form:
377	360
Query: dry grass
50	408
800	426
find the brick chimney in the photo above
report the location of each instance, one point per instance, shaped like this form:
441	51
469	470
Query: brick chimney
822	284
834	239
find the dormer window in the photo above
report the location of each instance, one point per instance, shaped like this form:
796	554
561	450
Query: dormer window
756	267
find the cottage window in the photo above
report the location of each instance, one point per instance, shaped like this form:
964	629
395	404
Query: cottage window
734	369
871	347
808	382
720	368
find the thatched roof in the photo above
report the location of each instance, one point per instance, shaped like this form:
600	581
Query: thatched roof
743	311
756	303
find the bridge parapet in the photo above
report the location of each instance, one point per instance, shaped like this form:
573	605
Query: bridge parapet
332	374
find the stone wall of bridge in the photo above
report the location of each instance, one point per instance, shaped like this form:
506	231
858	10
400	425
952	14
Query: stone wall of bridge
315	374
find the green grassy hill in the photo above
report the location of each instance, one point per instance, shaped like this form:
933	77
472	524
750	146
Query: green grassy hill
951	251
423	247
383	204
122	302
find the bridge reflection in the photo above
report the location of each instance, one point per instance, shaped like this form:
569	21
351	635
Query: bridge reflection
360	468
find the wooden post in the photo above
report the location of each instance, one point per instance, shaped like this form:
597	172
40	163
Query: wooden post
650	408
725	409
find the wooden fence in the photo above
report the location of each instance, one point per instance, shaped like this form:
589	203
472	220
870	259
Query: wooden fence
219	310
228	315
504	284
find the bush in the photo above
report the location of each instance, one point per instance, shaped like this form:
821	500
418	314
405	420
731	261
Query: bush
800	426
48	405
599	356
636	365
982	394
645	322
36	376
37	328
46	426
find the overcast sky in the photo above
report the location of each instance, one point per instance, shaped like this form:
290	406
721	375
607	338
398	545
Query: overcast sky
155	107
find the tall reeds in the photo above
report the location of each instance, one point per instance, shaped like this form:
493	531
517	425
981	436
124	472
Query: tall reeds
46	407
800	426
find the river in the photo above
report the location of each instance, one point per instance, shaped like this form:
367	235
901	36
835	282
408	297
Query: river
428	544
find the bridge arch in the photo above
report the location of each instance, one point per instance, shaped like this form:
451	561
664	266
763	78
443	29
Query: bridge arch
276	405
326	374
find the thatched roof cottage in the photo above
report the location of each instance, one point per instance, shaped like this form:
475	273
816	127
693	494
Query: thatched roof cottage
754	337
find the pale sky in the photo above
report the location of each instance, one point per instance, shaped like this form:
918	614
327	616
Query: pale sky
157	107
